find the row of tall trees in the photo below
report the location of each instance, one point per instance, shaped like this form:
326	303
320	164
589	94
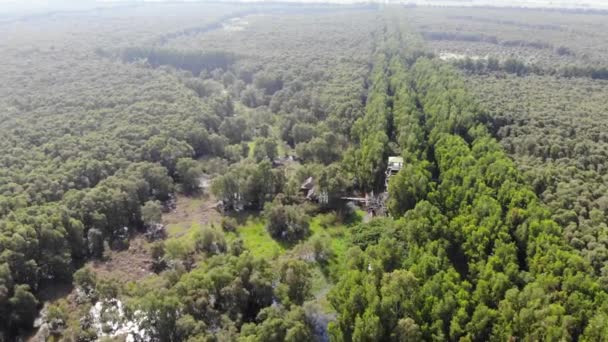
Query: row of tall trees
522	68
367	160
553	128
476	257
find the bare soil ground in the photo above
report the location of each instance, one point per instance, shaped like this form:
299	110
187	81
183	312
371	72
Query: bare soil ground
126	265
191	210
133	263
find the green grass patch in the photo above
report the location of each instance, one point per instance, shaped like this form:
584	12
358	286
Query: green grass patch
182	228
258	241
320	288
319	283
178	248
338	236
327	228
176	229
251	146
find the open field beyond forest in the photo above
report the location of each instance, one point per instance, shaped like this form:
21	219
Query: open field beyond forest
291	172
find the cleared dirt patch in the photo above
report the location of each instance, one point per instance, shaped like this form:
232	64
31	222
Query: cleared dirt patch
127	265
191	211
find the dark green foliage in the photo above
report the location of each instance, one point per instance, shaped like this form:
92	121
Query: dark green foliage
469	252
324	149
277	325
302	132
229	224
23	304
235	129
408	187
370	233
335	182
562	158
222	292
89	157
474	262
371	131
151	213
193	61
223	106
270	83
265	149
166	151
248	184
95	243
188	173
85	280
294	282
287	223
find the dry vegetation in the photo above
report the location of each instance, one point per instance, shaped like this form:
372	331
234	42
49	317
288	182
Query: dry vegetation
199	210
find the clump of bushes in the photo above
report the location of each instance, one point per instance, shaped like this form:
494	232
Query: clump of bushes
288	223
229	224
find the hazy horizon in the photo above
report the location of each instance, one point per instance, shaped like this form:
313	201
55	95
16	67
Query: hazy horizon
20	7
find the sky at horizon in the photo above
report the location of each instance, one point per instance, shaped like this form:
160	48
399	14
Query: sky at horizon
24	6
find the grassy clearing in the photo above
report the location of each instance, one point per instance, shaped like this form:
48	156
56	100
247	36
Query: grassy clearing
324	276
258	241
320	288
190	212
177	229
338	235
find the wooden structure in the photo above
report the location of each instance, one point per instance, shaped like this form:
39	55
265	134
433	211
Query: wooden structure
375	205
309	190
394	165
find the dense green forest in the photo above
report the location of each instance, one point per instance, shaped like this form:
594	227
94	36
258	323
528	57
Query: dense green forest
192	177
550	123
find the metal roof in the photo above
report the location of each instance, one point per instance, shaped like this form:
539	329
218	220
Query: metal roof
395	160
